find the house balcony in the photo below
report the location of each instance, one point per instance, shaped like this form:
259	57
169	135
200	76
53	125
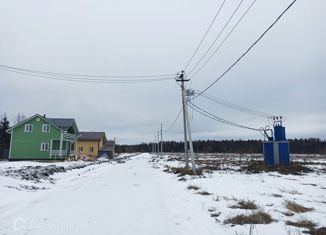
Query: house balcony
69	137
64	153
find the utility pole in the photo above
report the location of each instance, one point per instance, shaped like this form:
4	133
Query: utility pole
182	79
158	142
161	139
188	94
154	143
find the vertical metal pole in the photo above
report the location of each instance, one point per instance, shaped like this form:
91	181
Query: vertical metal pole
190	143
161	140
158	142
154	143
60	146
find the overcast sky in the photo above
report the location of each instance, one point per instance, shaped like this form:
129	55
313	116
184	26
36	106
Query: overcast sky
283	75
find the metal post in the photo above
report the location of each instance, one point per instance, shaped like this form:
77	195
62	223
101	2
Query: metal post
60	146
154	143
158	142
161	140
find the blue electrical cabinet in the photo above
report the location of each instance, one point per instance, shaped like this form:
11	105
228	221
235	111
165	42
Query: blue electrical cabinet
277	151
268	152
279	132
284	153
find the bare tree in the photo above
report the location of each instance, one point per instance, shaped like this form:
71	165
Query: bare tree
19	118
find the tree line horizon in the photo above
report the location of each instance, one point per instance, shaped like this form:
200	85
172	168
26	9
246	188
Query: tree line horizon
297	146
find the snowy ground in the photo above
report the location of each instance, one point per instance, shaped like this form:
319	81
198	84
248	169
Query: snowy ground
138	195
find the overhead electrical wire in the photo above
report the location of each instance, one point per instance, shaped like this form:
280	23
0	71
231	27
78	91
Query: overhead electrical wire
218	119
202	40
247	51
235	106
87	79
218	36
83	80
69	75
175	120
224	40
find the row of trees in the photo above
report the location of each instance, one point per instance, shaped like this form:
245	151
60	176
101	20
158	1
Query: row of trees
303	146
4	136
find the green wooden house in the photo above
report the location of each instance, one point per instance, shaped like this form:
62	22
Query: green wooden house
42	138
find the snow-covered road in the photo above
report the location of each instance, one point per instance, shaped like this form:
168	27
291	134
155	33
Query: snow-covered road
129	198
137	197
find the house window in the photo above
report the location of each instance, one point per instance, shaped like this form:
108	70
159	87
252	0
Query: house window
44	146
91	149
81	149
46	128
28	127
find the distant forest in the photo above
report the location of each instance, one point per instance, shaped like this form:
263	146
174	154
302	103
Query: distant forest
303	146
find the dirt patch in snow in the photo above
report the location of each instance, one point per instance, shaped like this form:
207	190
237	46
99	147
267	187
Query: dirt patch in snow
308	224
39	173
245	205
297	208
295	168
258	217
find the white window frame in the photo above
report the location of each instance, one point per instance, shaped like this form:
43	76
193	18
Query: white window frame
28	127
44	146
46	128
91	149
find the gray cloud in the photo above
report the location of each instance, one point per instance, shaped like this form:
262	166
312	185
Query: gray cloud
284	74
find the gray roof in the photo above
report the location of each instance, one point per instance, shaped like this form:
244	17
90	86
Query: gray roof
91	135
109	143
64	123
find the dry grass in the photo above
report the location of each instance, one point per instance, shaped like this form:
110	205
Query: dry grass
204	193
245	204
310	184
259	217
215	214
182	171
319	231
288	213
295	207
212	209
193	187
294	168
302	224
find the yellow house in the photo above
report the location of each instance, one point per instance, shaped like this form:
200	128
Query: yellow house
89	143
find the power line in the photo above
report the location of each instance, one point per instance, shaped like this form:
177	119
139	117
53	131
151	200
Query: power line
172	125
224	40
69	75
88	80
218	119
236	107
218	36
202	40
246	52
